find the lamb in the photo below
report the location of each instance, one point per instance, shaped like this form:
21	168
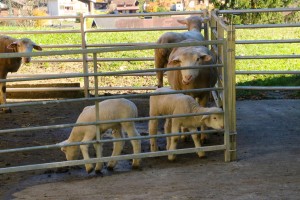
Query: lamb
111	109
192	78
194	25
172	104
10	45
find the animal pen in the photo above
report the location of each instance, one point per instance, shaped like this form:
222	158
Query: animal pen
220	37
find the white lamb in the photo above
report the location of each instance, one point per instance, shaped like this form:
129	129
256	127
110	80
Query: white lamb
111	109
180	104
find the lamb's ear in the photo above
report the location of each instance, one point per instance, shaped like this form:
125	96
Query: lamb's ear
12	45
204	117
182	21
174	61
37	47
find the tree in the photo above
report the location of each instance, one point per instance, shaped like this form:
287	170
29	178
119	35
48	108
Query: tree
253	18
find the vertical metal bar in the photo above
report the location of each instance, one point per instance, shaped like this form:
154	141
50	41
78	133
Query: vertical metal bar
217	95
84	56
206	35
230	96
98	134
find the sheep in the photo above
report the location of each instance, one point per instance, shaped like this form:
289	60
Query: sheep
10	45
171	104
192	78
194	25
111	109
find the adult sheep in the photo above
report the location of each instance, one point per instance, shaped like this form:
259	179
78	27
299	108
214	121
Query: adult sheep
172	104
194	26
111	109
192	78
10	45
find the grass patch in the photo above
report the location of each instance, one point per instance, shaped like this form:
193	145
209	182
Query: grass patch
152	36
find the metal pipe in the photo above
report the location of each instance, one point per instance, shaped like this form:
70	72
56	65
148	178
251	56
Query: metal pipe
268	87
106	159
267	41
257	10
268	57
112	49
241	72
253	26
54	146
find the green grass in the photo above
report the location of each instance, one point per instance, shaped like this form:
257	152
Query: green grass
141	37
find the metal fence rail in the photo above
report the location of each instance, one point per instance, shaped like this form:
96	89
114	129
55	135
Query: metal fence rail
224	44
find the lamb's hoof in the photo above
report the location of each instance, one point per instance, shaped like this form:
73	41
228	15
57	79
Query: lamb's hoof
203	157
136	167
110	168
171	158
89	170
6	110
98	172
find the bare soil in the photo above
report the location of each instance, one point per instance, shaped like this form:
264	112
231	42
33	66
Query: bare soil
268	165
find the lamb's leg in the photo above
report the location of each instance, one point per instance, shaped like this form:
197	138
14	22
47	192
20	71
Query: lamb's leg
117	149
3	94
99	165
174	139
204	136
136	144
197	142
160	62
85	153
153	131
167	128
203	103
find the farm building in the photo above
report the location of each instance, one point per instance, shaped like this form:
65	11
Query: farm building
66	7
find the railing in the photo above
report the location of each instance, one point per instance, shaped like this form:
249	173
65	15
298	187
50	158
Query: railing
228	106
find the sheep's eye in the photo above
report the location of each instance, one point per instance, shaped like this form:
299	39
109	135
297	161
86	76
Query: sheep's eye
198	59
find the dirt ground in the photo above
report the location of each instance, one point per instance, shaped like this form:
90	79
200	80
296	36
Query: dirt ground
267	167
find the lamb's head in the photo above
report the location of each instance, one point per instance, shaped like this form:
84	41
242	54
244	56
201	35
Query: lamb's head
193	22
187	57
24	45
71	152
216	120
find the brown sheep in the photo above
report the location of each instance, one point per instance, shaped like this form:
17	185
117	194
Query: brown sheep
194	25
10	45
192	78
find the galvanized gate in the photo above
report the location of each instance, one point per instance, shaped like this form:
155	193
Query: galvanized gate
222	42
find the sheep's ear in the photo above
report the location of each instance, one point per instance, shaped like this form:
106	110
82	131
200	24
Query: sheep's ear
206	58
174	61
37	47
182	21
12	45
204	117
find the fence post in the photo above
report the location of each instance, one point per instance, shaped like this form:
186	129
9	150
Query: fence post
84	56
230	96
98	146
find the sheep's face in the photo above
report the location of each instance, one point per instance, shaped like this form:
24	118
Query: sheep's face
71	152
216	120
187	59
24	45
